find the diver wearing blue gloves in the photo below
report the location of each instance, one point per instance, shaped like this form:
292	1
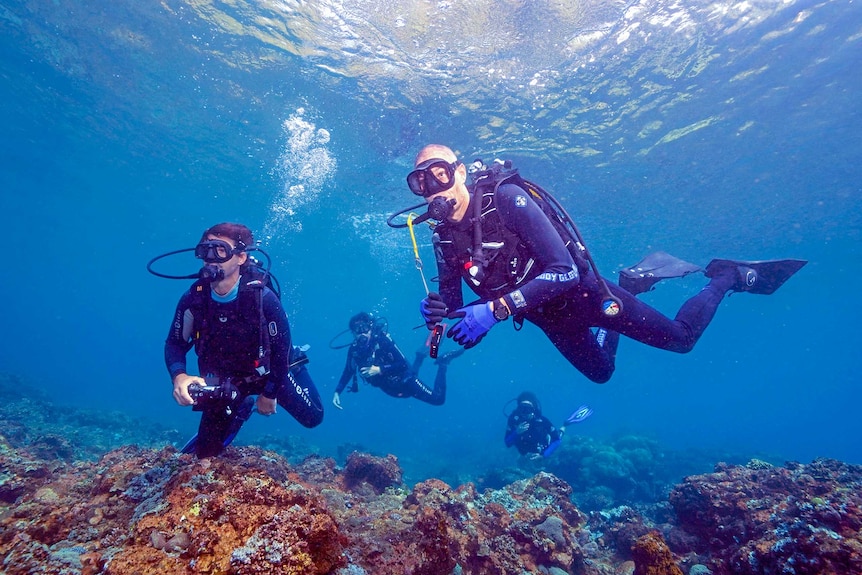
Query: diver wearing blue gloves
241	336
517	249
532	433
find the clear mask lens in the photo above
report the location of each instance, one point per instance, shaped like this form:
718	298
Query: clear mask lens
432	177
214	251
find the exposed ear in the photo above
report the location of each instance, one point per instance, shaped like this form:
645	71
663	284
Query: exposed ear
243	257
462	171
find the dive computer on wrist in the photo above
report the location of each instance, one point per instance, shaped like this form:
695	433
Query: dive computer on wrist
501	312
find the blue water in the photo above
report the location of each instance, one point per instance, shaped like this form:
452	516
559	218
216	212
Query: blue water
705	129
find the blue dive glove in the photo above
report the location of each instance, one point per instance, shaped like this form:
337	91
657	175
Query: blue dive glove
433	309
477	321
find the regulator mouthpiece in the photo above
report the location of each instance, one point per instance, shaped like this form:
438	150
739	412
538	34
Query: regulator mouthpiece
211	273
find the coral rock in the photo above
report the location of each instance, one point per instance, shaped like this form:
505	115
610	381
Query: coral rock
653	557
250	512
377	472
802	519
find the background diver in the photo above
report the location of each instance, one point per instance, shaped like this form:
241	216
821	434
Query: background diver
242	339
375	357
533	434
499	238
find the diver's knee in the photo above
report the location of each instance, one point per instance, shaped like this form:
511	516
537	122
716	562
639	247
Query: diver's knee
312	420
602	376
435	401
682	347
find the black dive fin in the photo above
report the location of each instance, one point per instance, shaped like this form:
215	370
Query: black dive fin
657	266
758	277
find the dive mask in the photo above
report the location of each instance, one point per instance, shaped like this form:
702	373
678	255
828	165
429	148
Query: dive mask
216	251
361	327
432	177
526	409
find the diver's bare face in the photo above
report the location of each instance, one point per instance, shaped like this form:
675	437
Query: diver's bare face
457	191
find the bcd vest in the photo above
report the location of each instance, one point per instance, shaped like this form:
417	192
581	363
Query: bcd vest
231	339
506	262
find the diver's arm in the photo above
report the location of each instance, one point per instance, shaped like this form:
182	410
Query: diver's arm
557	272
179	340
177	345
346	375
280	344
349	370
512	431
511	436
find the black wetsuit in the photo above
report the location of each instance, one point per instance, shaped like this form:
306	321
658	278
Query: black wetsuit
537	274
233	341
540	437
397	378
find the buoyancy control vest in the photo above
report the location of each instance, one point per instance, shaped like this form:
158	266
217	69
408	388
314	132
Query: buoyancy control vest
232	339
493	257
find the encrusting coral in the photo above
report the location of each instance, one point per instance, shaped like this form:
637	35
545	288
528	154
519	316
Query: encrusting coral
652	556
251	512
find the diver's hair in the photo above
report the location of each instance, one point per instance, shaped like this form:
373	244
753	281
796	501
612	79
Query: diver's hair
237	232
360	317
531	397
435	151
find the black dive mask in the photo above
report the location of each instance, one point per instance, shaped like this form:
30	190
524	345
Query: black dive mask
432	177
216	251
526	410
361	327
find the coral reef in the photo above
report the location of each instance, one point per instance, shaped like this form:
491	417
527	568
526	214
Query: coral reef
627	470
251	512
30	419
754	519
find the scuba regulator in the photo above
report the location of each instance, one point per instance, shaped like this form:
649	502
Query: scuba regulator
214	252
439	209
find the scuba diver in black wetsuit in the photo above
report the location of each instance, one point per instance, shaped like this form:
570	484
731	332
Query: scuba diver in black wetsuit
378	360
533	434
241	336
523	263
